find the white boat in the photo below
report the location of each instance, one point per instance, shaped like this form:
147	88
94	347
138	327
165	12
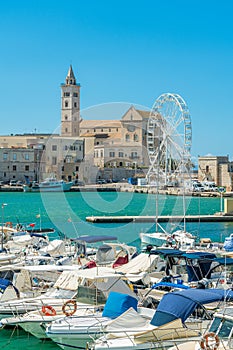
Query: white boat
179	238
119	313
218	336
156	338
50	184
175	312
48	284
90	289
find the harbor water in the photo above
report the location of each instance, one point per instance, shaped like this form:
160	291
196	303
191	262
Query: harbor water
67	212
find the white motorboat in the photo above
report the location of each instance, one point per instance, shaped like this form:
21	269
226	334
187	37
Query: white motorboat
156	338
174	311
50	184
179	238
90	290
218	336
47	287
119	314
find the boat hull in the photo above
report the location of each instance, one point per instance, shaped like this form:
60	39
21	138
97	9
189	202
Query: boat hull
75	336
62	187
155	239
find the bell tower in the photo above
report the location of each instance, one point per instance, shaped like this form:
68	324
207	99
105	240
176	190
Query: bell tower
70	105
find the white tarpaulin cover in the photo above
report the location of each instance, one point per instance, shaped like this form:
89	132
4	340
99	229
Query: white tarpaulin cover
54	248
141	263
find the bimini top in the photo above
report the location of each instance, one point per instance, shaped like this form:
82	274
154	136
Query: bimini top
181	304
94	239
224	261
167	252
199	255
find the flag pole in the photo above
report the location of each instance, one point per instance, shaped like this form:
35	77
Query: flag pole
40	219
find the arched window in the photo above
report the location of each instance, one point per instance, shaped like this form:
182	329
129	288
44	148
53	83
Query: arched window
66	117
127	138
66	103
135	137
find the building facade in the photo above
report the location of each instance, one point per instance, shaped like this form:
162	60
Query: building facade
120	143
82	149
20	164
217	169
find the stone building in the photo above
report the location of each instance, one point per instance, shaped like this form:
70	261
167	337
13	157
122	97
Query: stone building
217	169
83	146
21	157
119	143
38	156
19	163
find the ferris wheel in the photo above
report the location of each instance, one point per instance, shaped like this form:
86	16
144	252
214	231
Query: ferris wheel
169	139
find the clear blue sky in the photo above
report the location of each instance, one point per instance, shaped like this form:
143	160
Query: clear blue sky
121	51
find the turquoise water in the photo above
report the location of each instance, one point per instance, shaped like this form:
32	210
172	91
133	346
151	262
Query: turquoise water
67	213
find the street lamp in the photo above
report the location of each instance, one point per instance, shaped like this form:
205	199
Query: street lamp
3	205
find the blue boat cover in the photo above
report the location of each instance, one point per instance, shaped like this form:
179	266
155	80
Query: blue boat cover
199	255
224	261
199	271
4	283
93	239
168	252
169	284
181	304
117	304
228	244
198	265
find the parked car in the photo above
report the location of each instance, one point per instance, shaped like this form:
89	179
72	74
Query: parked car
197	187
101	181
13	183
79	183
210	186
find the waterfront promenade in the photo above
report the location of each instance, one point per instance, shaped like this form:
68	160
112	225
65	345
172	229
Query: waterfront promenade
125	187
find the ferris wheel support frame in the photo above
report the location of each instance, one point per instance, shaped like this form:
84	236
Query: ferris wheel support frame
160	130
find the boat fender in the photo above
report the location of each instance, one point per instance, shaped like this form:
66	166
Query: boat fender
204	344
69	307
48	310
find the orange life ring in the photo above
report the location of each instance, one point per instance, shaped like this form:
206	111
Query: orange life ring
48	310
69	307
8	223
204	344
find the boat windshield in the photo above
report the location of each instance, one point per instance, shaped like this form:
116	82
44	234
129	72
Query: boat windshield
222	327
91	296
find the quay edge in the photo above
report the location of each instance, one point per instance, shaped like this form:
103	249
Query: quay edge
188	218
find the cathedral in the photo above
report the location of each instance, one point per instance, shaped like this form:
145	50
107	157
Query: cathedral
84	149
117	143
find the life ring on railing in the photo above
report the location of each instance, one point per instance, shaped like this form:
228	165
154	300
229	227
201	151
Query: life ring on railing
9	224
204	344
48	310
69	307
